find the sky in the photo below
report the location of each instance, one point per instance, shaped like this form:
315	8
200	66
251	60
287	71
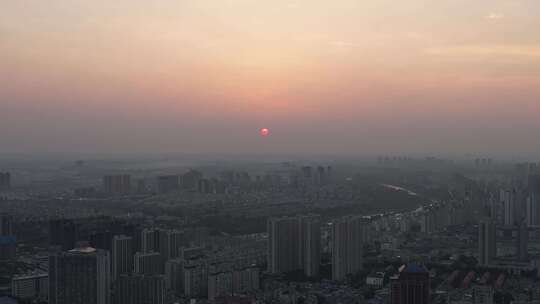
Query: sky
326	77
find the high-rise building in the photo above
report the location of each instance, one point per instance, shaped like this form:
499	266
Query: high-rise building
30	287
246	280
533	201
238	281
122	256
487	248
168	183
5	181
320	176
190	180
205	186
63	233
294	243
79	276
523	242
8	241
310	244
174	276
117	184
6	224
139	289
508	199
170	242
220	284
150	240
196	280
347	246
149	263
533	209
307	174
283	244
411	286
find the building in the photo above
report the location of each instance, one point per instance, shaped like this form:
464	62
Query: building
196	280
8	247
139	289
320	176
307	175
174	276
411	286
5	181
122	256
190	180
6	224
170	242
168	183
205	186
63	233
310	244
79	276
8	241
246	280
294	243
508	200
522	242
149	263
533	209
483	294
150	240
30	287
487	248
220	284
228	283
117	184
283	244
375	280
347	246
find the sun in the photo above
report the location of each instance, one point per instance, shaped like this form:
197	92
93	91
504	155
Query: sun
264	132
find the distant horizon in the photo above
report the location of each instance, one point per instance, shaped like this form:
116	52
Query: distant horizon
250	157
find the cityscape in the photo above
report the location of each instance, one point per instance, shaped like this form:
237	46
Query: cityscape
391	229
269	152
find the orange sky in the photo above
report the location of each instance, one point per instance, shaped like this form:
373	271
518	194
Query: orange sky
344	76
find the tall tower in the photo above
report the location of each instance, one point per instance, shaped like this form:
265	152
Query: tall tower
122	255
347	237
486	241
81	275
523	242
283	244
508	199
533	201
8	241
310	244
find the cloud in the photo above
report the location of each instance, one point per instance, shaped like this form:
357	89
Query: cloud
494	16
486	50
343	44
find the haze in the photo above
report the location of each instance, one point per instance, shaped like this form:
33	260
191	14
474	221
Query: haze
343	77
